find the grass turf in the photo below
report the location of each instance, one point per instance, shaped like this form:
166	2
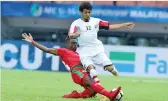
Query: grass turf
19	85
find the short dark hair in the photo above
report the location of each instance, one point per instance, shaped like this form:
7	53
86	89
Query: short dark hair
85	5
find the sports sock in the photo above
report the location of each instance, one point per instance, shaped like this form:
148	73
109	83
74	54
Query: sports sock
99	89
93	75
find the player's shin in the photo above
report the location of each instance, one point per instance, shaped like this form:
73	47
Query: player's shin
112	69
96	87
99	89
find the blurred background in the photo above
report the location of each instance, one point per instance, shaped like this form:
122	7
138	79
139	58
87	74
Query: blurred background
49	21
140	55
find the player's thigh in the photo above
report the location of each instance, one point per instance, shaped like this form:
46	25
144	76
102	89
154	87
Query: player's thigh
78	76
86	61
102	59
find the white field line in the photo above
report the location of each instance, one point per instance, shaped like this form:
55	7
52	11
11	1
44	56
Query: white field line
145	81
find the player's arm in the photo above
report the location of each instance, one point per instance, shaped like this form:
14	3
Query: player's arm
72	31
122	25
29	39
73	35
107	26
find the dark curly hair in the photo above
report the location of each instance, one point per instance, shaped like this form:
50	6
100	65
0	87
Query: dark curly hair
85	5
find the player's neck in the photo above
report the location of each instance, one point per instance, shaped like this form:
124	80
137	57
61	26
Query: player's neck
85	20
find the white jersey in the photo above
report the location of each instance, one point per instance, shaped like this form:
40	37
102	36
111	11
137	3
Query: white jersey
88	34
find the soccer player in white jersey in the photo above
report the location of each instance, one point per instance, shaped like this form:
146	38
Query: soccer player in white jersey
91	50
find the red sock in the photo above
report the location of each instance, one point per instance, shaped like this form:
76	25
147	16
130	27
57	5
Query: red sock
85	94
99	89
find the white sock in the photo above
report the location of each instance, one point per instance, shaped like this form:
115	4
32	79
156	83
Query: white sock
93	75
114	70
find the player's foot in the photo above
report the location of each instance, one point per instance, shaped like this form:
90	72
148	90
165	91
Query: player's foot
74	94
114	93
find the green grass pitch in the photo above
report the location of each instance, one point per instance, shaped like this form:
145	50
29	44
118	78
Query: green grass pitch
19	85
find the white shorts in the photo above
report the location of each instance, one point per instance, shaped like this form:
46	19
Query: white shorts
100	59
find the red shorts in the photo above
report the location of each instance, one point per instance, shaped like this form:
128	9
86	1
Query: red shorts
78	73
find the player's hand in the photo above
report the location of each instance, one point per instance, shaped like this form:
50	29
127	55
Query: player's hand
129	25
27	38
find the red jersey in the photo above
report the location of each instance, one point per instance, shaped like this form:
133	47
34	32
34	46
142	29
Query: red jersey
69	57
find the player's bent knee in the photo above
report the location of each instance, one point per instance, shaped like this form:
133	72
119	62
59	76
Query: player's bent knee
90	67
87	81
109	67
112	69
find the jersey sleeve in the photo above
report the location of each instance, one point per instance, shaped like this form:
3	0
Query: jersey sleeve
103	24
73	28
60	51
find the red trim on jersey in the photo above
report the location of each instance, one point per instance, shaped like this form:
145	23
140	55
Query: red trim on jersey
74	30
104	24
68	31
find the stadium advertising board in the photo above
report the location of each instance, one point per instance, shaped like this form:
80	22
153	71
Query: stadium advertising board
129	60
22	55
70	11
138	61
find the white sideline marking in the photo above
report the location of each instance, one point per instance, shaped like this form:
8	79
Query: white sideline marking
145	81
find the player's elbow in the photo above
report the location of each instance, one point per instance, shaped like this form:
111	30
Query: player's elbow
71	36
74	35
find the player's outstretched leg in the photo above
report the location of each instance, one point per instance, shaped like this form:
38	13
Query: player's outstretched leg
84	94
101	90
73	94
78	74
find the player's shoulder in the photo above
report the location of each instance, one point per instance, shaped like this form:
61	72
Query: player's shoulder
62	48
76	21
93	18
62	51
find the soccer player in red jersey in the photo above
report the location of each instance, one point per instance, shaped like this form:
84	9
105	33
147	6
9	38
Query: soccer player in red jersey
79	75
